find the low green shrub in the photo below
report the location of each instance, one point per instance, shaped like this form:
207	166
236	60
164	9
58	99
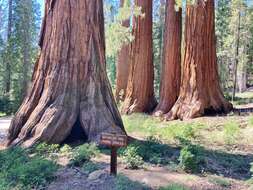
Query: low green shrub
20	171
124	183
152	150
46	149
187	160
174	186
131	158
191	156
231	132
35	173
90	167
67	151
83	154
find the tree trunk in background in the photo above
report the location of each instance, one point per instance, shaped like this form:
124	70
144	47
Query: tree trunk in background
122	68
236	60
26	47
200	92
7	61
171	61
25	67
140	87
242	80
70	90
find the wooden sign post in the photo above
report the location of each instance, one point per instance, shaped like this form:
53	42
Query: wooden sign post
114	141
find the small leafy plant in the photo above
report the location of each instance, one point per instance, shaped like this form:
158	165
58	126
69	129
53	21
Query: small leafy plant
67	151
190	157
46	149
231	132
83	154
131	158
187	160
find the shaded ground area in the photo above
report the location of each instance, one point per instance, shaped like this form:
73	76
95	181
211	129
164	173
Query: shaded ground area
150	177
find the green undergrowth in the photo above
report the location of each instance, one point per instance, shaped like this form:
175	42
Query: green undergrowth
19	170
151	150
25	169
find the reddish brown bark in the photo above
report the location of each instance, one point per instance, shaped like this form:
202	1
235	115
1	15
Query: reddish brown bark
200	91
122	68
140	87
171	61
70	88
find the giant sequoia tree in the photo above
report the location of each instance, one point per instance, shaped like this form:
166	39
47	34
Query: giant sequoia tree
122	68
200	92
140	87
171	61
70	90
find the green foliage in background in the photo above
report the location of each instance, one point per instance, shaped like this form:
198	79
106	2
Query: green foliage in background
20	50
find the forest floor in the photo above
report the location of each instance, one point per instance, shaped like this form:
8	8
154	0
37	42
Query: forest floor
226	142
224	146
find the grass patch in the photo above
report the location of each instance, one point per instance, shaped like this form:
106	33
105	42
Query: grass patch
146	125
124	183
174	186
18	169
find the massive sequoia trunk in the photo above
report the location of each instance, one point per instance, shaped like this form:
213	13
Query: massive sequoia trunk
70	89
122	68
200	92
140	87
171	61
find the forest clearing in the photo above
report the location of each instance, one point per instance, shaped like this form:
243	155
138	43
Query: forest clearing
126	94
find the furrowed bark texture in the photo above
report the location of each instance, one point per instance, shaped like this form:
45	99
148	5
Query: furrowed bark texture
171	61
69	84
200	91
140	87
122	68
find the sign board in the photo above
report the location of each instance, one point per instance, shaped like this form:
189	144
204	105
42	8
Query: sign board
113	140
